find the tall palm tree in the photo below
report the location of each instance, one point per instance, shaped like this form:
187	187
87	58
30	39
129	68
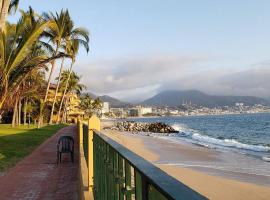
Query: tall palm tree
7	6
20	52
73	50
62	37
56	36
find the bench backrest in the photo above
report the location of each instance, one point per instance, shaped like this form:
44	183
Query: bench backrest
65	143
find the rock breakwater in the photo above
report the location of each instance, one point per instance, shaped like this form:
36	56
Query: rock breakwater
131	126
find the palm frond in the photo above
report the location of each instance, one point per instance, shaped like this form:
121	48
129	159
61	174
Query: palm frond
13	6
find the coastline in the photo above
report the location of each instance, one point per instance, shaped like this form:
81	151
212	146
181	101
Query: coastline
219	185
195	115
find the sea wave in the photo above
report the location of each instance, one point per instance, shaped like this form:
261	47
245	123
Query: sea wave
267	159
208	141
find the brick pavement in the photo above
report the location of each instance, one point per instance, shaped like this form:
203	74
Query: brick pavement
39	177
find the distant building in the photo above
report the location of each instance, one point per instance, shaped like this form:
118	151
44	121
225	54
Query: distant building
71	106
105	107
135	112
174	112
118	112
239	104
139	111
146	110
73	110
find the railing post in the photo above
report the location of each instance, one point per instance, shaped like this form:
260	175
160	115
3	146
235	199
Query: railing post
80	127
93	123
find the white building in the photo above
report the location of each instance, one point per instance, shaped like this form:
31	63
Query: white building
105	107
146	110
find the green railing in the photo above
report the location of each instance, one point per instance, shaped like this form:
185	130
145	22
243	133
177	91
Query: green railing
85	141
120	174
109	171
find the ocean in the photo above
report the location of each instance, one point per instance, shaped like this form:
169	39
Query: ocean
243	140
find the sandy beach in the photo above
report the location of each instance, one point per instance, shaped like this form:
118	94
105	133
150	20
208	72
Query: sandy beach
214	184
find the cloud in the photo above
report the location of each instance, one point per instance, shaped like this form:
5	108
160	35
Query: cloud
140	78
120	75
252	82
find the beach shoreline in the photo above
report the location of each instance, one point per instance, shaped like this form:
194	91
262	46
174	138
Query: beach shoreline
214	185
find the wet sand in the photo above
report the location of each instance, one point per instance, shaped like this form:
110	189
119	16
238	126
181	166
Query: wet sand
212	183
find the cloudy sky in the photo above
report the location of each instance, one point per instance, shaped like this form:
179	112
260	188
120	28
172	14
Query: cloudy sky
141	47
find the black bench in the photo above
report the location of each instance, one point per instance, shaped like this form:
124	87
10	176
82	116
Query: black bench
65	145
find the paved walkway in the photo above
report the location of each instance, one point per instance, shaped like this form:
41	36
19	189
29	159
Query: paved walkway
39	177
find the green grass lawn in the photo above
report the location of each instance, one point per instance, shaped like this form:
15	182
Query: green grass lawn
16	143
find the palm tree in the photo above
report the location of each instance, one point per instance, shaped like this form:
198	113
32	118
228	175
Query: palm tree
97	105
56	36
73	50
87	105
20	52
61	36
70	82
6	6
32	88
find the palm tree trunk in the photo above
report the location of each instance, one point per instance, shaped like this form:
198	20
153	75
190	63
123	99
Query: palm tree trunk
67	113
19	111
2	100
29	121
56	90
5	92
24	111
40	120
49	81
17	115
14	113
4	13
1	6
64	118
64	94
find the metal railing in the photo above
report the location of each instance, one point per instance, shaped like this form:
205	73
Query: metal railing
120	174
85	142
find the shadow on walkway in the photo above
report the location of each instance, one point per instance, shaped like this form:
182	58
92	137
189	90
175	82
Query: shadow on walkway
39	177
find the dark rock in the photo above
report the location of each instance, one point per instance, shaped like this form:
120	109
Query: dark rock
132	126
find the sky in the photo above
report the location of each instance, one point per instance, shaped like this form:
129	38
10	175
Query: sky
139	48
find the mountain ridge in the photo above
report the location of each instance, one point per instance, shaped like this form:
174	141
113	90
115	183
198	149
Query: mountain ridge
177	97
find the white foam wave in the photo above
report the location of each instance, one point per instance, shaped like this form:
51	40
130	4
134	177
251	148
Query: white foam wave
183	130
229	143
267	159
208	141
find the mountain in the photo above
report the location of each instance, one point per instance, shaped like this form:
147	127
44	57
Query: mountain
114	103
176	98
92	95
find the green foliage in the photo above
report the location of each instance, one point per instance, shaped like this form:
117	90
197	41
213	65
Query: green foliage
21	52
16	143
73	84
13	6
64	34
87	105
26	48
91	106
